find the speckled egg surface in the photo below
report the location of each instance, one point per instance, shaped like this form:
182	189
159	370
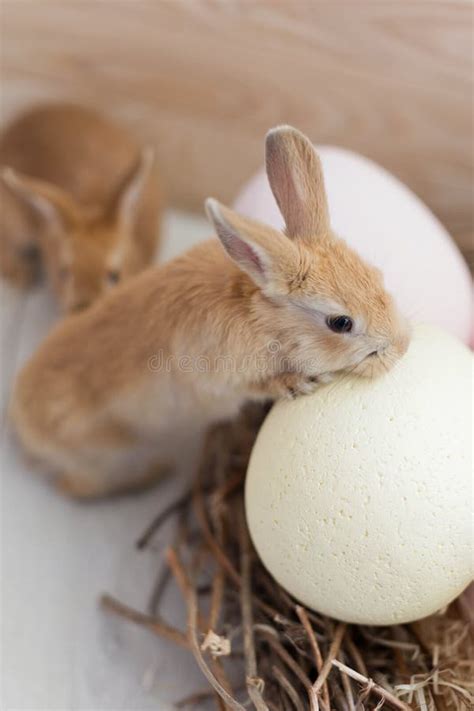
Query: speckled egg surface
359	497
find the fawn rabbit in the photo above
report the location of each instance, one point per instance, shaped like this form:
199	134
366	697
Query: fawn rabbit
78	195
182	345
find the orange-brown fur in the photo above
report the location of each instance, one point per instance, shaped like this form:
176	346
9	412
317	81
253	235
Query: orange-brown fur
93	405
78	196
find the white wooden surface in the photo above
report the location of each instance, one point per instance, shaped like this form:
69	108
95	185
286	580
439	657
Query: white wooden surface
59	651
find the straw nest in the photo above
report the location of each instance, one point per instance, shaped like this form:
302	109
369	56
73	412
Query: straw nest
255	645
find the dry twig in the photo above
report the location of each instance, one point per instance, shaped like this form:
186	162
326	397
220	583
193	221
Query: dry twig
371	685
332	654
152	624
190	599
255	685
318	659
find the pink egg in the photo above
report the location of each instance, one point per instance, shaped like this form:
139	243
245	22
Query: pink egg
393	229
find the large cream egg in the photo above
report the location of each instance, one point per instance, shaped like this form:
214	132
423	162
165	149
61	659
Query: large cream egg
359	497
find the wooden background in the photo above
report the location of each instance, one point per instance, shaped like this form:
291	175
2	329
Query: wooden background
205	79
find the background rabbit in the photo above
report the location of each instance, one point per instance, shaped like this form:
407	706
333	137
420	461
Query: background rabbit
104	400
80	197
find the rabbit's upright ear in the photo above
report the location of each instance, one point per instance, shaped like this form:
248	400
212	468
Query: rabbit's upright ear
265	254
126	200
296	179
53	204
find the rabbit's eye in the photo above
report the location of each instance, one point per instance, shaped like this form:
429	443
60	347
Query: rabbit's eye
339	324
113	276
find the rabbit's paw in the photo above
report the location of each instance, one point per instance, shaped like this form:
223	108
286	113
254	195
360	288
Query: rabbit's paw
291	385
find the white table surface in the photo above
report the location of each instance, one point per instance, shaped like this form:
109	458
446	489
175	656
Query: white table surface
59	650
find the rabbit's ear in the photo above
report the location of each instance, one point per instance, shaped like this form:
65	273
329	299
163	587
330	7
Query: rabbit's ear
296	179
126	200
267	256
54	205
